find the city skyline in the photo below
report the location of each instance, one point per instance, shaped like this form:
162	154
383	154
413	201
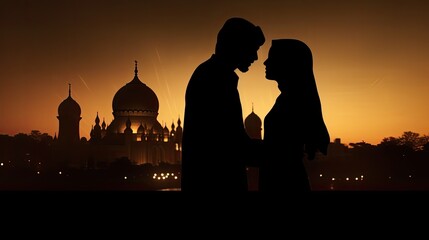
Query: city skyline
370	59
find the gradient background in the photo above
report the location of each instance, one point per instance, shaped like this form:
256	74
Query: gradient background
370	59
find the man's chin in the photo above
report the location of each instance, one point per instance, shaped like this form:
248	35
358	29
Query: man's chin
243	69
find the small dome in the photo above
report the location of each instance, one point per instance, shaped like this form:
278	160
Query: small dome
166	130
69	107
252	120
140	129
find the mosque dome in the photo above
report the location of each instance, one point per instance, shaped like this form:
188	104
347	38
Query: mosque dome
252	120
135	96
253	125
69	107
137	103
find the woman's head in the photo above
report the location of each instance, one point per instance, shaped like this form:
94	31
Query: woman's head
288	60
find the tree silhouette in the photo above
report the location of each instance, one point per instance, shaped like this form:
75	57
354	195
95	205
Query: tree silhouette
410	140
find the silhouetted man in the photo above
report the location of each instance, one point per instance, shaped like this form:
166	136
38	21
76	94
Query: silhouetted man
215	144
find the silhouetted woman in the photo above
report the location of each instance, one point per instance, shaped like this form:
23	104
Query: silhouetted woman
294	127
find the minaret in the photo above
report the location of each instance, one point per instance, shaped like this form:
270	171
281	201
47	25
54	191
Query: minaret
166	133
140	132
103	128
96	131
69	117
253	125
173	132
178	139
128	129
179	133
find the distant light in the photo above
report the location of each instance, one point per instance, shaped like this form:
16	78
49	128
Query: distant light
60	172
172	174
40	163
159	178
154	174
347	179
333	179
361	176
175	177
320	175
1	164
409	176
356	179
390	177
162	174
125	177
29	160
38	172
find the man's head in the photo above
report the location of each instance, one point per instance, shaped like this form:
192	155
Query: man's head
238	41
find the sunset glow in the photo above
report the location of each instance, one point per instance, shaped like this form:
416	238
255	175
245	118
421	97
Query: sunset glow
370	59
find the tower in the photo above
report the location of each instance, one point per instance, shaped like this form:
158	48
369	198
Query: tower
253	126
69	117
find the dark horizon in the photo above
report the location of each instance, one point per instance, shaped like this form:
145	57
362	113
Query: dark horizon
394	165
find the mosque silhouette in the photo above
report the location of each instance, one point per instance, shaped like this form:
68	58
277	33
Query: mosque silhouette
134	133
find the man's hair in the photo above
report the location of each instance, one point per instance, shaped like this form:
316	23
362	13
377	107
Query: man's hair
238	32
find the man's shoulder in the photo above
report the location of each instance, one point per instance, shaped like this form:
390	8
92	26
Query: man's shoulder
206	70
207	64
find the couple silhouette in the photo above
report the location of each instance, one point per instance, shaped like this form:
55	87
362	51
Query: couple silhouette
216	148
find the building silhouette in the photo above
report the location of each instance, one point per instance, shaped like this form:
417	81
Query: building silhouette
69	117
253	126
68	150
134	133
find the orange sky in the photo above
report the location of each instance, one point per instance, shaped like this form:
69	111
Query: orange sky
370	59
